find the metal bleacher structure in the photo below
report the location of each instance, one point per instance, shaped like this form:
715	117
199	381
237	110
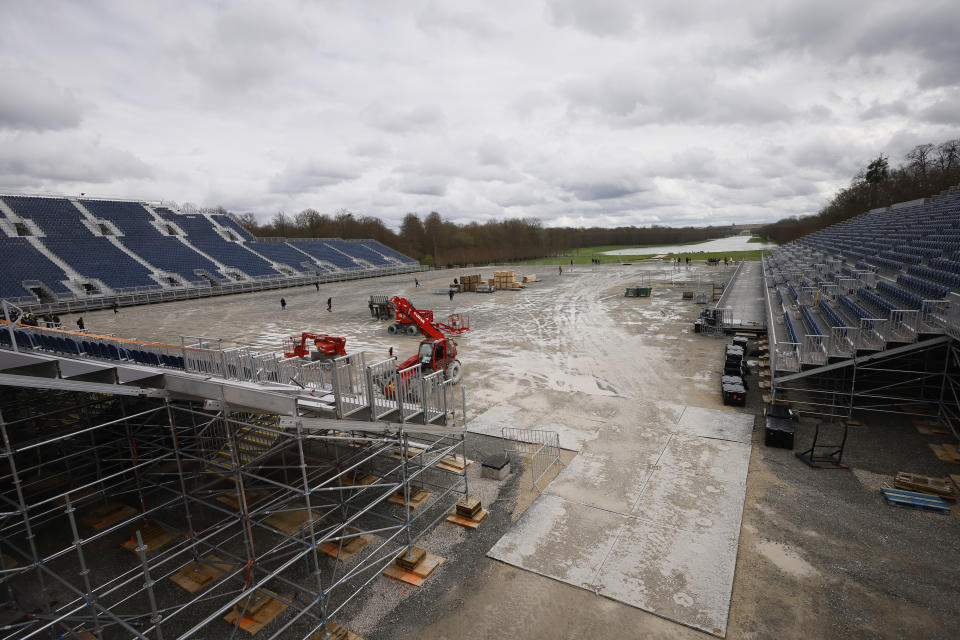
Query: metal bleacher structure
70	254
196	490
865	314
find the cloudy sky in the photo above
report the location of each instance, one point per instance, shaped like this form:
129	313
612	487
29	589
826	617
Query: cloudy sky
577	112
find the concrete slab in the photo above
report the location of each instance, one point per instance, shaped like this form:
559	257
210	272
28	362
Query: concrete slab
716	423
708	458
681	575
690	503
560	539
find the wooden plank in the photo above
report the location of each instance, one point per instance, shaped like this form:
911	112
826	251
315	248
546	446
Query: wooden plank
291	521
942	487
10	562
415	500
154	536
956	481
334	632
202	573
263	608
472	523
108	514
419	574
360	480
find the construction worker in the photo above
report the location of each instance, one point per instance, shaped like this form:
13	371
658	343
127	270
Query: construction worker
560	267
416	283
115	307
329	304
317	285
450	291
80	324
283	304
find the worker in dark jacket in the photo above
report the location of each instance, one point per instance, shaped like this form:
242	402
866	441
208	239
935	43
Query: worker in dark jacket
283	304
329	304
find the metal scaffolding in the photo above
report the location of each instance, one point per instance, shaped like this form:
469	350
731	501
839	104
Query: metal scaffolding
116	499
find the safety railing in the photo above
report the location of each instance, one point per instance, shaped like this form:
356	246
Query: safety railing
871	334
786	357
933	316
382	379
814	349
901	326
350	384
539	449
434	396
843	340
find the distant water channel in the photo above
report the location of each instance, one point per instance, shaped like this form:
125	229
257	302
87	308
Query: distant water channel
732	243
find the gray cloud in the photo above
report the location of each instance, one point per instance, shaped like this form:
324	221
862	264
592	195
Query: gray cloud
312	175
598	17
37	159
30	100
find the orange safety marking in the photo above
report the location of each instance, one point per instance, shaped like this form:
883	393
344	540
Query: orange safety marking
95	335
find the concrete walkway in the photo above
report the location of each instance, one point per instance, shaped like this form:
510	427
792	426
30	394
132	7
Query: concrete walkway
647	514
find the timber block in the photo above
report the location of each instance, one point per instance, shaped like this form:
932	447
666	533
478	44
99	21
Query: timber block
154	536
255	611
469	507
334	631
411	558
470	523
202	573
291	521
416	498
419	574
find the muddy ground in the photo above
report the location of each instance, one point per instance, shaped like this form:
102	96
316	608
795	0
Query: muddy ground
821	555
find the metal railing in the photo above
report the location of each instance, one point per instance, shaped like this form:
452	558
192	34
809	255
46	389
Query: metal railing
815	349
537	448
902	325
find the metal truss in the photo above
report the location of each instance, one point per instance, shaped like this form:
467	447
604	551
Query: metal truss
268	503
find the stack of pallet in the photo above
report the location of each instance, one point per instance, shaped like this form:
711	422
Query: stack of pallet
505	280
470	282
530	278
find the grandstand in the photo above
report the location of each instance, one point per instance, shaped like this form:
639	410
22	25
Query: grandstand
63	254
875	296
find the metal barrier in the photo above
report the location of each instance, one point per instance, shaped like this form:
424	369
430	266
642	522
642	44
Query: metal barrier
933	315
870	335
902	326
382	376
814	350
786	357
844	340
434	396
540	449
350	384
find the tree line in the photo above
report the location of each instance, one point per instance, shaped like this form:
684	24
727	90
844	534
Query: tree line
433	240
926	170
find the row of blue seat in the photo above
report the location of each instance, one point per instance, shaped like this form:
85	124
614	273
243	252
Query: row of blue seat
951	280
909	299
105	350
929	290
810	322
876	301
831	314
790	332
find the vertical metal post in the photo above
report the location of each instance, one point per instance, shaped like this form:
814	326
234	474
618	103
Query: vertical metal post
241	492
84	571
183	484
148	585
306	494
370	395
6	316
405	460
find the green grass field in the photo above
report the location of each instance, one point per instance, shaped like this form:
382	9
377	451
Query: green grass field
584	256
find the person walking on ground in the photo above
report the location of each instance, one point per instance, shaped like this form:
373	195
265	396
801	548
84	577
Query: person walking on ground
450	291
329	304
115	307
283	304
317	285
561	269
80	324
416	283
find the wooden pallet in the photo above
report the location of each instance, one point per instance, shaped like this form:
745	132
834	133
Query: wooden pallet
263	608
334	632
200	574
415	500
154	536
457	464
913	500
471	523
419	574
105	515
942	487
763	384
361	480
945	452
291	521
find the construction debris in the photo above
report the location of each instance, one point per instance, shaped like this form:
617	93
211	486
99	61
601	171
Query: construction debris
942	487
912	500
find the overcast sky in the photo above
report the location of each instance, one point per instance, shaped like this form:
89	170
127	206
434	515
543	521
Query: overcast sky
577	112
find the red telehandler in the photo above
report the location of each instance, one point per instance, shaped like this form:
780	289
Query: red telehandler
404	324
437	352
327	346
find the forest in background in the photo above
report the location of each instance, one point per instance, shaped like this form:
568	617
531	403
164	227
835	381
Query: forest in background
439	242
926	170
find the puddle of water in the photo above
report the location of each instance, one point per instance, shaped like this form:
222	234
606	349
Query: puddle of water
786	559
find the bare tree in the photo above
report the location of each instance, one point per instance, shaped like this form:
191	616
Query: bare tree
919	158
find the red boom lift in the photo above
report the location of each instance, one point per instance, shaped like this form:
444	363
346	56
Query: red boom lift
437	352
327	346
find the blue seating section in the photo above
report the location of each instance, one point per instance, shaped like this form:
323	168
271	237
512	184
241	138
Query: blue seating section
950	280
162	251
383	249
831	315
22	262
358	250
66	236
879	303
790	332
322	251
284	254
929	290
908	299
65	233
91	348
854	309
810	322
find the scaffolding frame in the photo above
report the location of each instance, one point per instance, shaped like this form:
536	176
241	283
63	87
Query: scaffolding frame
278	501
